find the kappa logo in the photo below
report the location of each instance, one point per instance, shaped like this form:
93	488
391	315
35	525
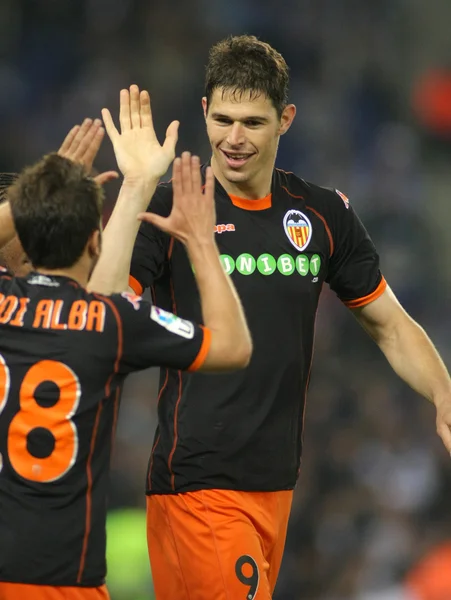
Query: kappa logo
222	228
133	299
298	229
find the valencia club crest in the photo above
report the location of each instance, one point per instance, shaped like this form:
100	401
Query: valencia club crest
298	229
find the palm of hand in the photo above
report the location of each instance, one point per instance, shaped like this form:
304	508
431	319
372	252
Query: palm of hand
138	151
177	220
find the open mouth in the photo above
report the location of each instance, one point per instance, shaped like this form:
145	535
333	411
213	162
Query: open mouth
235	160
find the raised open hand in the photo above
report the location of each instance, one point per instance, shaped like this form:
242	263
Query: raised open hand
82	144
193	214
138	153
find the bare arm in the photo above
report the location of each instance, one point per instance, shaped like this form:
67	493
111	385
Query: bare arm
7	230
231	344
411	354
192	222
142	161
112	270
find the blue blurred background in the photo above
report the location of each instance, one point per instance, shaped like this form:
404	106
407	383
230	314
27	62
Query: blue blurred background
372	84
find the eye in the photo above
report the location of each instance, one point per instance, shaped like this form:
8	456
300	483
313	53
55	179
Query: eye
223	121
252	123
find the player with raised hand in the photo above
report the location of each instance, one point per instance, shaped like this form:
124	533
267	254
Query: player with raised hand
226	455
64	354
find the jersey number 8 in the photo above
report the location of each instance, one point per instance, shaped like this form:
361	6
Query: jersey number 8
56	419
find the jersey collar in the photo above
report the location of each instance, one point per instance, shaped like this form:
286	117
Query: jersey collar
37	278
243	203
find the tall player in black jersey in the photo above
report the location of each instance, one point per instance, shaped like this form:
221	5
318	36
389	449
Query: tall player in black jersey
226	455
65	350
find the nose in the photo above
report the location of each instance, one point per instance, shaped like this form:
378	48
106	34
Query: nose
236	136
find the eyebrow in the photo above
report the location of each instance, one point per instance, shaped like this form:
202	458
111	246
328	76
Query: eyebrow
260	119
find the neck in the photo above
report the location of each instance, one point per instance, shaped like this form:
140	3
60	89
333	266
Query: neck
78	273
250	190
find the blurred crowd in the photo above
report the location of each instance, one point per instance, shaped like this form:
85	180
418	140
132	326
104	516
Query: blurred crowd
375	480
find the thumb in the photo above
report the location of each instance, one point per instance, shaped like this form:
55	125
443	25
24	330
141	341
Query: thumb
106	177
153	219
172	136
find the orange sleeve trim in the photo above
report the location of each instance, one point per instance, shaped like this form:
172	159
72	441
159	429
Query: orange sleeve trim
202	354
358	302
135	285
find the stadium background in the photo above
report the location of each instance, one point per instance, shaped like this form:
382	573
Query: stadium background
371	81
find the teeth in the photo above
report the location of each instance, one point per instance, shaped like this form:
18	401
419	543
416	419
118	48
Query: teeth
237	156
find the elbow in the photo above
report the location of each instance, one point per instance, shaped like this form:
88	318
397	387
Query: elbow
241	354
228	352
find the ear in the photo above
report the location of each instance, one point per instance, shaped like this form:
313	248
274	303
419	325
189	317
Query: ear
95	244
204	106
287	118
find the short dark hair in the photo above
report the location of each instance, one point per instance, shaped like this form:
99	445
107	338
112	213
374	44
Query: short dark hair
245	64
56	206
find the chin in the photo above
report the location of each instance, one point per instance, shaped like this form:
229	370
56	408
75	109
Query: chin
236	177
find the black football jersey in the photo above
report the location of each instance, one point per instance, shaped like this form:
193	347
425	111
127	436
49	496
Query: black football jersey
243	430
64	354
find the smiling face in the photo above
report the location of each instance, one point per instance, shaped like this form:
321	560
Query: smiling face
244	130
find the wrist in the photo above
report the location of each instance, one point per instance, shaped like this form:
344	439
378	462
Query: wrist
442	398
204	250
196	245
137	193
139	181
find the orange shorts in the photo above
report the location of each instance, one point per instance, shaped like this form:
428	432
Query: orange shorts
219	544
23	591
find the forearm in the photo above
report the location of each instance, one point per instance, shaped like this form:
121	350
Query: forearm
413	357
221	307
112	270
7	230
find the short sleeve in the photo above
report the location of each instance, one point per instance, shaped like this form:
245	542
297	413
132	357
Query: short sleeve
150	336
354	273
151	247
